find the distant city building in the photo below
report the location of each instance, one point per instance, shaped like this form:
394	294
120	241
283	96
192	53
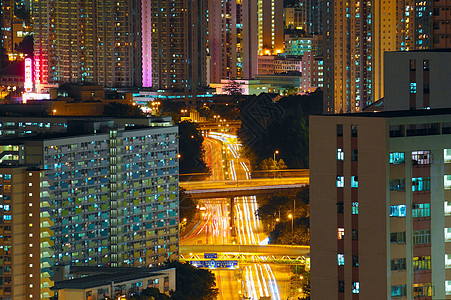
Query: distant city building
85	41
314	9
295	17
298	45
174	44
232	39
312	72
276	64
354	65
270	26
99	192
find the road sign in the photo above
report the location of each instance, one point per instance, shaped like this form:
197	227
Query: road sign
210	255
215	264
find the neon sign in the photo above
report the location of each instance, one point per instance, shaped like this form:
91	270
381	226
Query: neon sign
28	84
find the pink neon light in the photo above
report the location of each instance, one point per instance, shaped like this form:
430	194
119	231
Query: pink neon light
28	84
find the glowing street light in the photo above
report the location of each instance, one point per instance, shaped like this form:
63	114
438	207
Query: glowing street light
290	216
274	159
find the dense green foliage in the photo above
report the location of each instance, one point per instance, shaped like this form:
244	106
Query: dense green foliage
116	109
193	283
187	205
191	149
283	126
274	211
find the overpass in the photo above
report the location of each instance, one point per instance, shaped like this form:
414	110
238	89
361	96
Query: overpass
247	253
252	187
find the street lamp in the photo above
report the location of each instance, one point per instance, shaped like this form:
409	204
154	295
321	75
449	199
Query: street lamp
290	216
274	160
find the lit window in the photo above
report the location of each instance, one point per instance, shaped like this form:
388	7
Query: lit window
397	185
355	287
447	182
421	210
398	210
30	184
421	157
340	181
340	154
341	259
341	233
30	265
397	158
420	184
30	204
354	182
447	155
398	290
30	194
355	208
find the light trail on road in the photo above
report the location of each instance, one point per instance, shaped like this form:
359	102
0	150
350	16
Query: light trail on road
260	280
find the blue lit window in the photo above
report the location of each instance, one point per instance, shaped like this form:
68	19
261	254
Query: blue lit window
341	259
355	208
421	210
413	87
420	184
340	181
7	176
7	217
354	181
397	158
355	287
398	210
340	154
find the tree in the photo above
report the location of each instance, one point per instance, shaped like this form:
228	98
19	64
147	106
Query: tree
187	205
191	149
232	88
193	283
120	109
274	210
283	125
26	46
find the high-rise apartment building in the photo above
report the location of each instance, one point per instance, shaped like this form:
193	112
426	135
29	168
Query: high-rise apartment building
76	41
356	35
174	44
314	19
380	205
239	31
232	39
98	195
380	187
270	26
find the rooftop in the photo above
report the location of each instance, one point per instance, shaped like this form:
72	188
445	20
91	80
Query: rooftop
106	276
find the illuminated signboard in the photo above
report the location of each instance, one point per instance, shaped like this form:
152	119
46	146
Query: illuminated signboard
210	255
28	77
215	264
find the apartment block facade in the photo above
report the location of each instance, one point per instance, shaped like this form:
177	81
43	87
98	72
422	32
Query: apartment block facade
357	33
104	196
380	205
76	41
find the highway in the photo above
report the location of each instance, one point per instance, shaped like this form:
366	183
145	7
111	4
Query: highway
251	280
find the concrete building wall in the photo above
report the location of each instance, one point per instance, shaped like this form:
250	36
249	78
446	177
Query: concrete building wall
427	85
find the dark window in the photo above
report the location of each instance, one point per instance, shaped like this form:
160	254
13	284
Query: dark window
355	261
413	64
354	130
355	235
341	286
398	264
397	130
340	207
339	129
398	237
355	155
